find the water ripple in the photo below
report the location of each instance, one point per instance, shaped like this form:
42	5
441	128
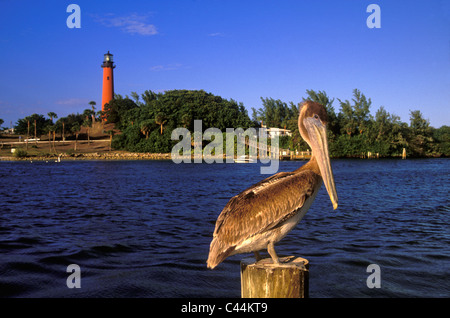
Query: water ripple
143	228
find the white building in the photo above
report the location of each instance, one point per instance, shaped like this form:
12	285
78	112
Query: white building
272	132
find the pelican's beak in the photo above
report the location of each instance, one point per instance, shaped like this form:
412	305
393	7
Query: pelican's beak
317	132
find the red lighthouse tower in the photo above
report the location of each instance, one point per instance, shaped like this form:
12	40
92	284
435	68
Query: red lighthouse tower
108	79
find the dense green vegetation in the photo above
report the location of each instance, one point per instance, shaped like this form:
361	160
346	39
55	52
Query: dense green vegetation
146	122
354	131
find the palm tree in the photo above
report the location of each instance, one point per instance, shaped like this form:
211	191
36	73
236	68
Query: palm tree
54	137
135	96
100	115
160	119
76	130
93	103
28	133
63	137
52	115
51	131
88	113
111	134
146	127
86	124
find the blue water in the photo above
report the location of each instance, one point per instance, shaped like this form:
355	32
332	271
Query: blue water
143	228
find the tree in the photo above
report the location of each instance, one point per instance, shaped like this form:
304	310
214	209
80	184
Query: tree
386	135
66	123
186	120
100	114
146	127
111	134
116	110
52	115
442	138
87	124
421	140
355	118
93	103
274	113
418	123
128	139
21	126
135	96
160	120
148	97
89	118
157	114
75	130
51	132
146	123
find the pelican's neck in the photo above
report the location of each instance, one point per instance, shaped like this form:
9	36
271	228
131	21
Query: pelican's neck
310	165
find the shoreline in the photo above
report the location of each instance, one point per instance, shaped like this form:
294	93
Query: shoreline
93	156
120	155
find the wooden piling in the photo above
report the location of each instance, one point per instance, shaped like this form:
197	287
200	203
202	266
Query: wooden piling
263	279
404	153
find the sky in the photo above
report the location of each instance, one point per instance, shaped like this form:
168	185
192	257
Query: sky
241	50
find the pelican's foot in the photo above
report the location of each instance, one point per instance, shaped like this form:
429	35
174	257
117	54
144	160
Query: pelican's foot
272	253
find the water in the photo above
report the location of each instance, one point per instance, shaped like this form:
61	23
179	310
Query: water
143	228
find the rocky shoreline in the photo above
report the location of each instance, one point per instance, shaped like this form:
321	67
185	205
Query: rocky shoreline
94	156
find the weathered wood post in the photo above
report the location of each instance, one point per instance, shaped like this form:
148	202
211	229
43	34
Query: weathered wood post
263	279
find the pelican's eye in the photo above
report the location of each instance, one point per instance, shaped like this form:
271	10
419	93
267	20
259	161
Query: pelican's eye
316	116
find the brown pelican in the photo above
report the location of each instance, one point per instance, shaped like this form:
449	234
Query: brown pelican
263	214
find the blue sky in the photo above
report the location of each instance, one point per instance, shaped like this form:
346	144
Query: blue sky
236	49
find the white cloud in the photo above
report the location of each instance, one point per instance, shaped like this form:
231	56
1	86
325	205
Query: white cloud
132	23
216	34
71	101
168	67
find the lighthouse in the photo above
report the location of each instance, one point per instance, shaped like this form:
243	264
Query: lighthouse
108	79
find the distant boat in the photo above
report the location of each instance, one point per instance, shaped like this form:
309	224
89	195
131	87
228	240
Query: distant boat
244	159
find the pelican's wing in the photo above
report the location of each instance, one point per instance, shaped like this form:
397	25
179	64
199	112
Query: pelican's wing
261	207
246	200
